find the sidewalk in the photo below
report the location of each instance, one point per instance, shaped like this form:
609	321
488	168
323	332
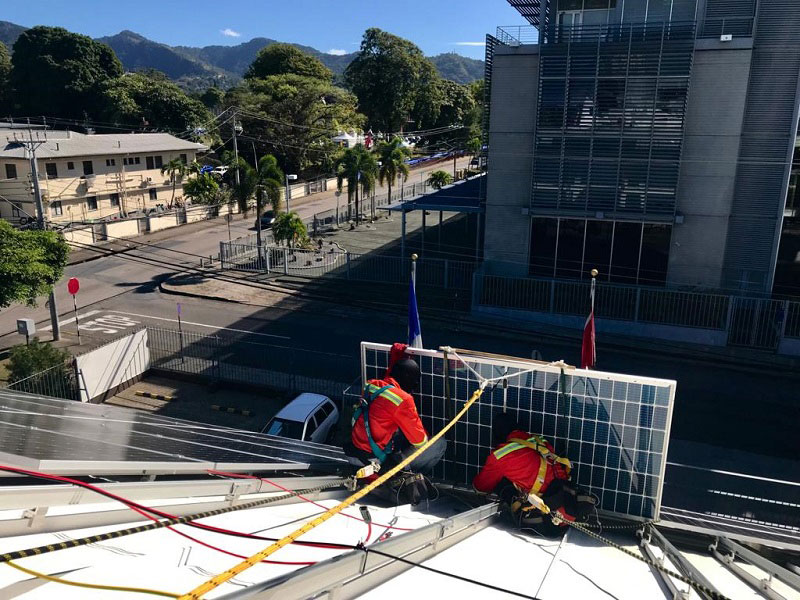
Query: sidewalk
441	306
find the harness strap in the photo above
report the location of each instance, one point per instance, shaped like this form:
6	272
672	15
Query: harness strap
363	408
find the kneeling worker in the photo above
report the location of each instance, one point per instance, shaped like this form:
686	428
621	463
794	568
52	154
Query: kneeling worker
524	471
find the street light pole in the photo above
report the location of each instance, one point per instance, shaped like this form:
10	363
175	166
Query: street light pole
288	191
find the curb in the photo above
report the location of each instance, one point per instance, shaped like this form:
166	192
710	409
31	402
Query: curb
155	396
245	412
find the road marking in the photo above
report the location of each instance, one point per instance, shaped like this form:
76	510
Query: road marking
119	312
66	321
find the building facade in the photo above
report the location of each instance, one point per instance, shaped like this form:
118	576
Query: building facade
86	178
649	139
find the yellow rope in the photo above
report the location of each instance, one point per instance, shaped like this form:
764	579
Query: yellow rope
93	586
218	580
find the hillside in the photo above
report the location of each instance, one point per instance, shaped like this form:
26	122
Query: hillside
197	68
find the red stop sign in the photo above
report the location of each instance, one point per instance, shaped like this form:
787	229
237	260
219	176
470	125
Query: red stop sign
73	285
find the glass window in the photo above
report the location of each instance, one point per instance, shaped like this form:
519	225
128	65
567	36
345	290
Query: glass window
285	428
159	162
111	162
11	171
569	258
625	257
327	408
15	210
88	167
51	170
655	254
311	427
137	160
55	208
184	159
91	203
597	254
153	194
70	166
320	416
544	233
115	200
149	163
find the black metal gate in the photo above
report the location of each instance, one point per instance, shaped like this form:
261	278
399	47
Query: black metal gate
757	323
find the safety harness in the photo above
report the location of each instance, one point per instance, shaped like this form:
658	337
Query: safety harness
538	444
371	392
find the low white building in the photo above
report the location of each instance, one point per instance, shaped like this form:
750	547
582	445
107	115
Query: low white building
85	178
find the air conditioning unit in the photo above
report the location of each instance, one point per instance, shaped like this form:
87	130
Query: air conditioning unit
725	37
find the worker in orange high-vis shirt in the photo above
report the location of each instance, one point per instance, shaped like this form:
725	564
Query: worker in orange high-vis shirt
525	472
386	426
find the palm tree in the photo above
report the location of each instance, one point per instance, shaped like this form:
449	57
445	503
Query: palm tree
393	162
268	180
359	168
176	169
438	179
289	228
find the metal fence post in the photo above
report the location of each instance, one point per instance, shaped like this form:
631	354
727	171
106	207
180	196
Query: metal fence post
446	264
638	303
269	252
285	261
222	255
729	318
785	308
347	256
552	296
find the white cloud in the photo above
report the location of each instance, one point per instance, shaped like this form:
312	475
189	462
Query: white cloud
470	43
337	51
228	32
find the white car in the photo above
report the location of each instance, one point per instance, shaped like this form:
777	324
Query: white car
219	172
309	417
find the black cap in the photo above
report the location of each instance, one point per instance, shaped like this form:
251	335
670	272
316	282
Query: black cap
406	373
502	425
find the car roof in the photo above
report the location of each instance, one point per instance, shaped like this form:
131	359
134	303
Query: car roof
302	406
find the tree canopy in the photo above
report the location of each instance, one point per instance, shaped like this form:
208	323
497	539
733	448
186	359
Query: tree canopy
26	360
394	82
285	59
359	168
5	80
57	72
149	97
294	118
31	262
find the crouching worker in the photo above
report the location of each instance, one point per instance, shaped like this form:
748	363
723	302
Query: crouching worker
524	471
386	429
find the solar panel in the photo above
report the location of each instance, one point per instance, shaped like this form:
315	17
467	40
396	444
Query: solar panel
613	427
60	436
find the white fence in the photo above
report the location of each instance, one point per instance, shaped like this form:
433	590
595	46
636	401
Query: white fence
112	365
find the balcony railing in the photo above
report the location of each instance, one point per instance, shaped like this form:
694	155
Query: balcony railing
735	26
516	35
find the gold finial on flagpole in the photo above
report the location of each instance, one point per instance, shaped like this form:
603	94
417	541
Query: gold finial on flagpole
414	257
594	272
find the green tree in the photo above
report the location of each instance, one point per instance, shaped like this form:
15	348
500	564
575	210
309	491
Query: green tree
294	118
393	81
212	97
285	59
150	98
31	262
438	179
176	169
56	72
473	146
26	360
202	189
392	156
289	228
359	169
5	80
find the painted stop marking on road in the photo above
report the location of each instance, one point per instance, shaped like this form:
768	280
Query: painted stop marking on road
73	285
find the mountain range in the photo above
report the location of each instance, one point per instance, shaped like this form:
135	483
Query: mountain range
198	68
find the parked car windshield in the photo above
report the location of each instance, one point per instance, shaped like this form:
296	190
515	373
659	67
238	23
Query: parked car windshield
286	428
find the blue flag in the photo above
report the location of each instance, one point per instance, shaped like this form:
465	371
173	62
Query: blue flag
414	329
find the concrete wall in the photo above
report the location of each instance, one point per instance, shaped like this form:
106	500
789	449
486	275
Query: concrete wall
712	135
118	229
511	142
80	236
198	213
163	222
112	366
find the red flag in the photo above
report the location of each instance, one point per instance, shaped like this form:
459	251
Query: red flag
588	356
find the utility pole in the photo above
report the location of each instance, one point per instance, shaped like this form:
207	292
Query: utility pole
235	150
31	145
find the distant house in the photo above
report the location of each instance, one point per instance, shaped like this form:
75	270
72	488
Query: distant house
88	177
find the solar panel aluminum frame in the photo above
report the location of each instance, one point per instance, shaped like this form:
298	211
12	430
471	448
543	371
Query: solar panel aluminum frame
523	364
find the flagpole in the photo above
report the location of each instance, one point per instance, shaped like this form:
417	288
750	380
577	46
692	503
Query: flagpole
594	273
414	258
414	330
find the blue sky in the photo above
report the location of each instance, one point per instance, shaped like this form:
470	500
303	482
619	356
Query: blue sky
436	26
